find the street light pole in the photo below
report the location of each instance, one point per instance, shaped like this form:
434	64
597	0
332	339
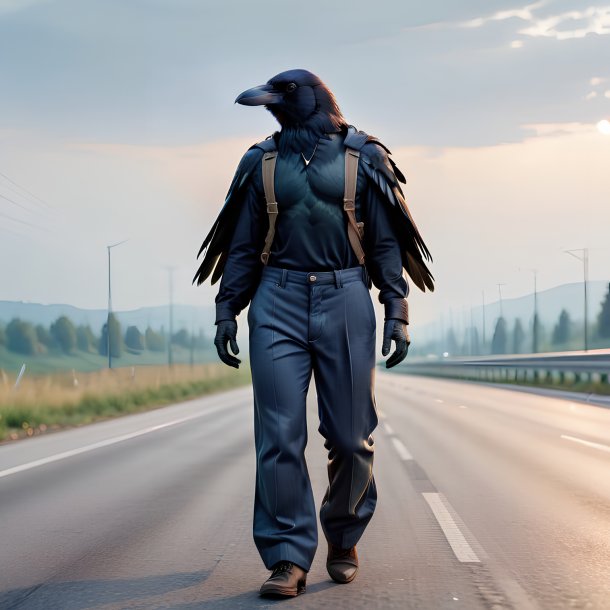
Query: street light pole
170	355
483	344
585	263
110	304
500	296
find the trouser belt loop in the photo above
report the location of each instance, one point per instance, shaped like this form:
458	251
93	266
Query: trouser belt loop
338	281
283	280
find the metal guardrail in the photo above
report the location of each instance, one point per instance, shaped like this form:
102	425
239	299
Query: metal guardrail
557	367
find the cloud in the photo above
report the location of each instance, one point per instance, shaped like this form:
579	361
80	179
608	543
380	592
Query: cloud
524	14
562	26
577	24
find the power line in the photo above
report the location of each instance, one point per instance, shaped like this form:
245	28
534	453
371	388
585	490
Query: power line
23	222
38	207
48	205
19	205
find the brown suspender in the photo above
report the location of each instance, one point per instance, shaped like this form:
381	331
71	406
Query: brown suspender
355	230
269	159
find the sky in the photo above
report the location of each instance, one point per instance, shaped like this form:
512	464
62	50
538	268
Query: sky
119	120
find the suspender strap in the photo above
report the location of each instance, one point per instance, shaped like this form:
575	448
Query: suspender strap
355	230
269	159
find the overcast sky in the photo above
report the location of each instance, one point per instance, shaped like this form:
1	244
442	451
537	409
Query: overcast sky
119	117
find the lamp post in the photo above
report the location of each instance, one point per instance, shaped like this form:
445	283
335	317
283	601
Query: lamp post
110	304
170	355
584	258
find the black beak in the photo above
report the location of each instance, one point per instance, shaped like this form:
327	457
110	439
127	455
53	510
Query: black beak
257	96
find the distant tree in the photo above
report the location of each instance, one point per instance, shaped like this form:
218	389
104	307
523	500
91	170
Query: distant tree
44	336
134	338
518	336
500	339
2	335
561	332
452	345
85	339
155	342
64	332
537	332
21	337
476	343
603	319
201	340
182	338
116	340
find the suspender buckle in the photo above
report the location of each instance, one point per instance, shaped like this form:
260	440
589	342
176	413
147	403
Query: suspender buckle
272	208
348	204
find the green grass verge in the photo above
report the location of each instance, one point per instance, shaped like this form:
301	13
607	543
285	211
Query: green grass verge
28	421
84	361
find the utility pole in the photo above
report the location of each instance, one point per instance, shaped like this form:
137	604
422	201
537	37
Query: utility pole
536	321
500	295
110	305
584	258
170	356
483	344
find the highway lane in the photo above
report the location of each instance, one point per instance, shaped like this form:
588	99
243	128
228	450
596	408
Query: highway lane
488	498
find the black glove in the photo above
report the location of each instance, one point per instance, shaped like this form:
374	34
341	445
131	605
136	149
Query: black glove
227	331
395	330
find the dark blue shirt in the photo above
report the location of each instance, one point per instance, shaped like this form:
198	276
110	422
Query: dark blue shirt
311	230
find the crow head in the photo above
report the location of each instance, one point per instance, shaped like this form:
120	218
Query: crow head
298	99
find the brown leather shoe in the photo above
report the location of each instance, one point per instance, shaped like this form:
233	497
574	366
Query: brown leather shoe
286	580
342	564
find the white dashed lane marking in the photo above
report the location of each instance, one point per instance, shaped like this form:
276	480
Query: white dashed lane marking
403	452
587	443
463	551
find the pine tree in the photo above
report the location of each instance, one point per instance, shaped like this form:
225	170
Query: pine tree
134	338
561	332
116	340
64	333
603	319
518	336
499	341
21	337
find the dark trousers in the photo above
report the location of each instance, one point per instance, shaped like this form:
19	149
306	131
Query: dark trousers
302	322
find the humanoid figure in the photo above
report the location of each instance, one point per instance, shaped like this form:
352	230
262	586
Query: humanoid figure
314	214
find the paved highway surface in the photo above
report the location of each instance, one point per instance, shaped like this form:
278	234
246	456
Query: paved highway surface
488	498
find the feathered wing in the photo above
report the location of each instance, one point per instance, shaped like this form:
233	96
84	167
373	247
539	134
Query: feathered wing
382	170
218	240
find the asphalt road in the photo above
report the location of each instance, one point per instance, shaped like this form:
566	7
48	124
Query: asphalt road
488	498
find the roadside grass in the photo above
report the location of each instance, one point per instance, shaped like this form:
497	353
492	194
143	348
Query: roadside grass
50	402
55	361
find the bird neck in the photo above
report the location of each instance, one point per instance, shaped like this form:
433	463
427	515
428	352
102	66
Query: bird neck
303	138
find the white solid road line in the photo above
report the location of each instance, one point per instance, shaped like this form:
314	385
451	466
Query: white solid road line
389	429
403	452
463	551
587	443
109	441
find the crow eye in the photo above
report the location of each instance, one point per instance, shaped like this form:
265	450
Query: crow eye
290	87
